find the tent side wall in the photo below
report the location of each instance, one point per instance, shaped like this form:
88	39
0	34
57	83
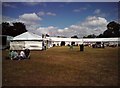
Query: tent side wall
17	45
34	45
21	45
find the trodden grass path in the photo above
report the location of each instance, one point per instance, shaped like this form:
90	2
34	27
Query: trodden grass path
60	66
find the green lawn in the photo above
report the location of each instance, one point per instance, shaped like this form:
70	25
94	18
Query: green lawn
60	66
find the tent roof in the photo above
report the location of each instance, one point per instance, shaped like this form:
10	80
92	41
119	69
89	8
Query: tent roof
27	36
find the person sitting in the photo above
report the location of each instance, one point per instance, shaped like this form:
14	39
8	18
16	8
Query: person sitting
22	55
13	55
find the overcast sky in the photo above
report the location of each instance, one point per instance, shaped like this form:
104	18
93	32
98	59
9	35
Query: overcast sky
61	18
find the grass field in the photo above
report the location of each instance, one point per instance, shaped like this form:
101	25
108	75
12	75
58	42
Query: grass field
60	66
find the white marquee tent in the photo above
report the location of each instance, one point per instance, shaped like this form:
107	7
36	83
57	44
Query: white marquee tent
27	40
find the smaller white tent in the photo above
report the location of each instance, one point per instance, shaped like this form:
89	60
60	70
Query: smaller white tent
26	40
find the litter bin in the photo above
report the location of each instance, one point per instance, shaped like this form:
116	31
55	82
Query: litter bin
81	47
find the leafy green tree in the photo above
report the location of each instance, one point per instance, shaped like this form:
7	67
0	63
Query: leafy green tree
14	30
113	30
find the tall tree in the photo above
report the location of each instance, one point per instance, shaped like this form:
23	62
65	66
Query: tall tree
14	30
113	30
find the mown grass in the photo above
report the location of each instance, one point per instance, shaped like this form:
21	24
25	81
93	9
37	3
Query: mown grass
61	66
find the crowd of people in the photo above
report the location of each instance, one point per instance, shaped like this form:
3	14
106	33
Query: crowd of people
19	55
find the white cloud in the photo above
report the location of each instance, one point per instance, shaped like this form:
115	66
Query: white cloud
51	30
42	13
51	14
31	20
30	17
91	25
94	21
60	30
